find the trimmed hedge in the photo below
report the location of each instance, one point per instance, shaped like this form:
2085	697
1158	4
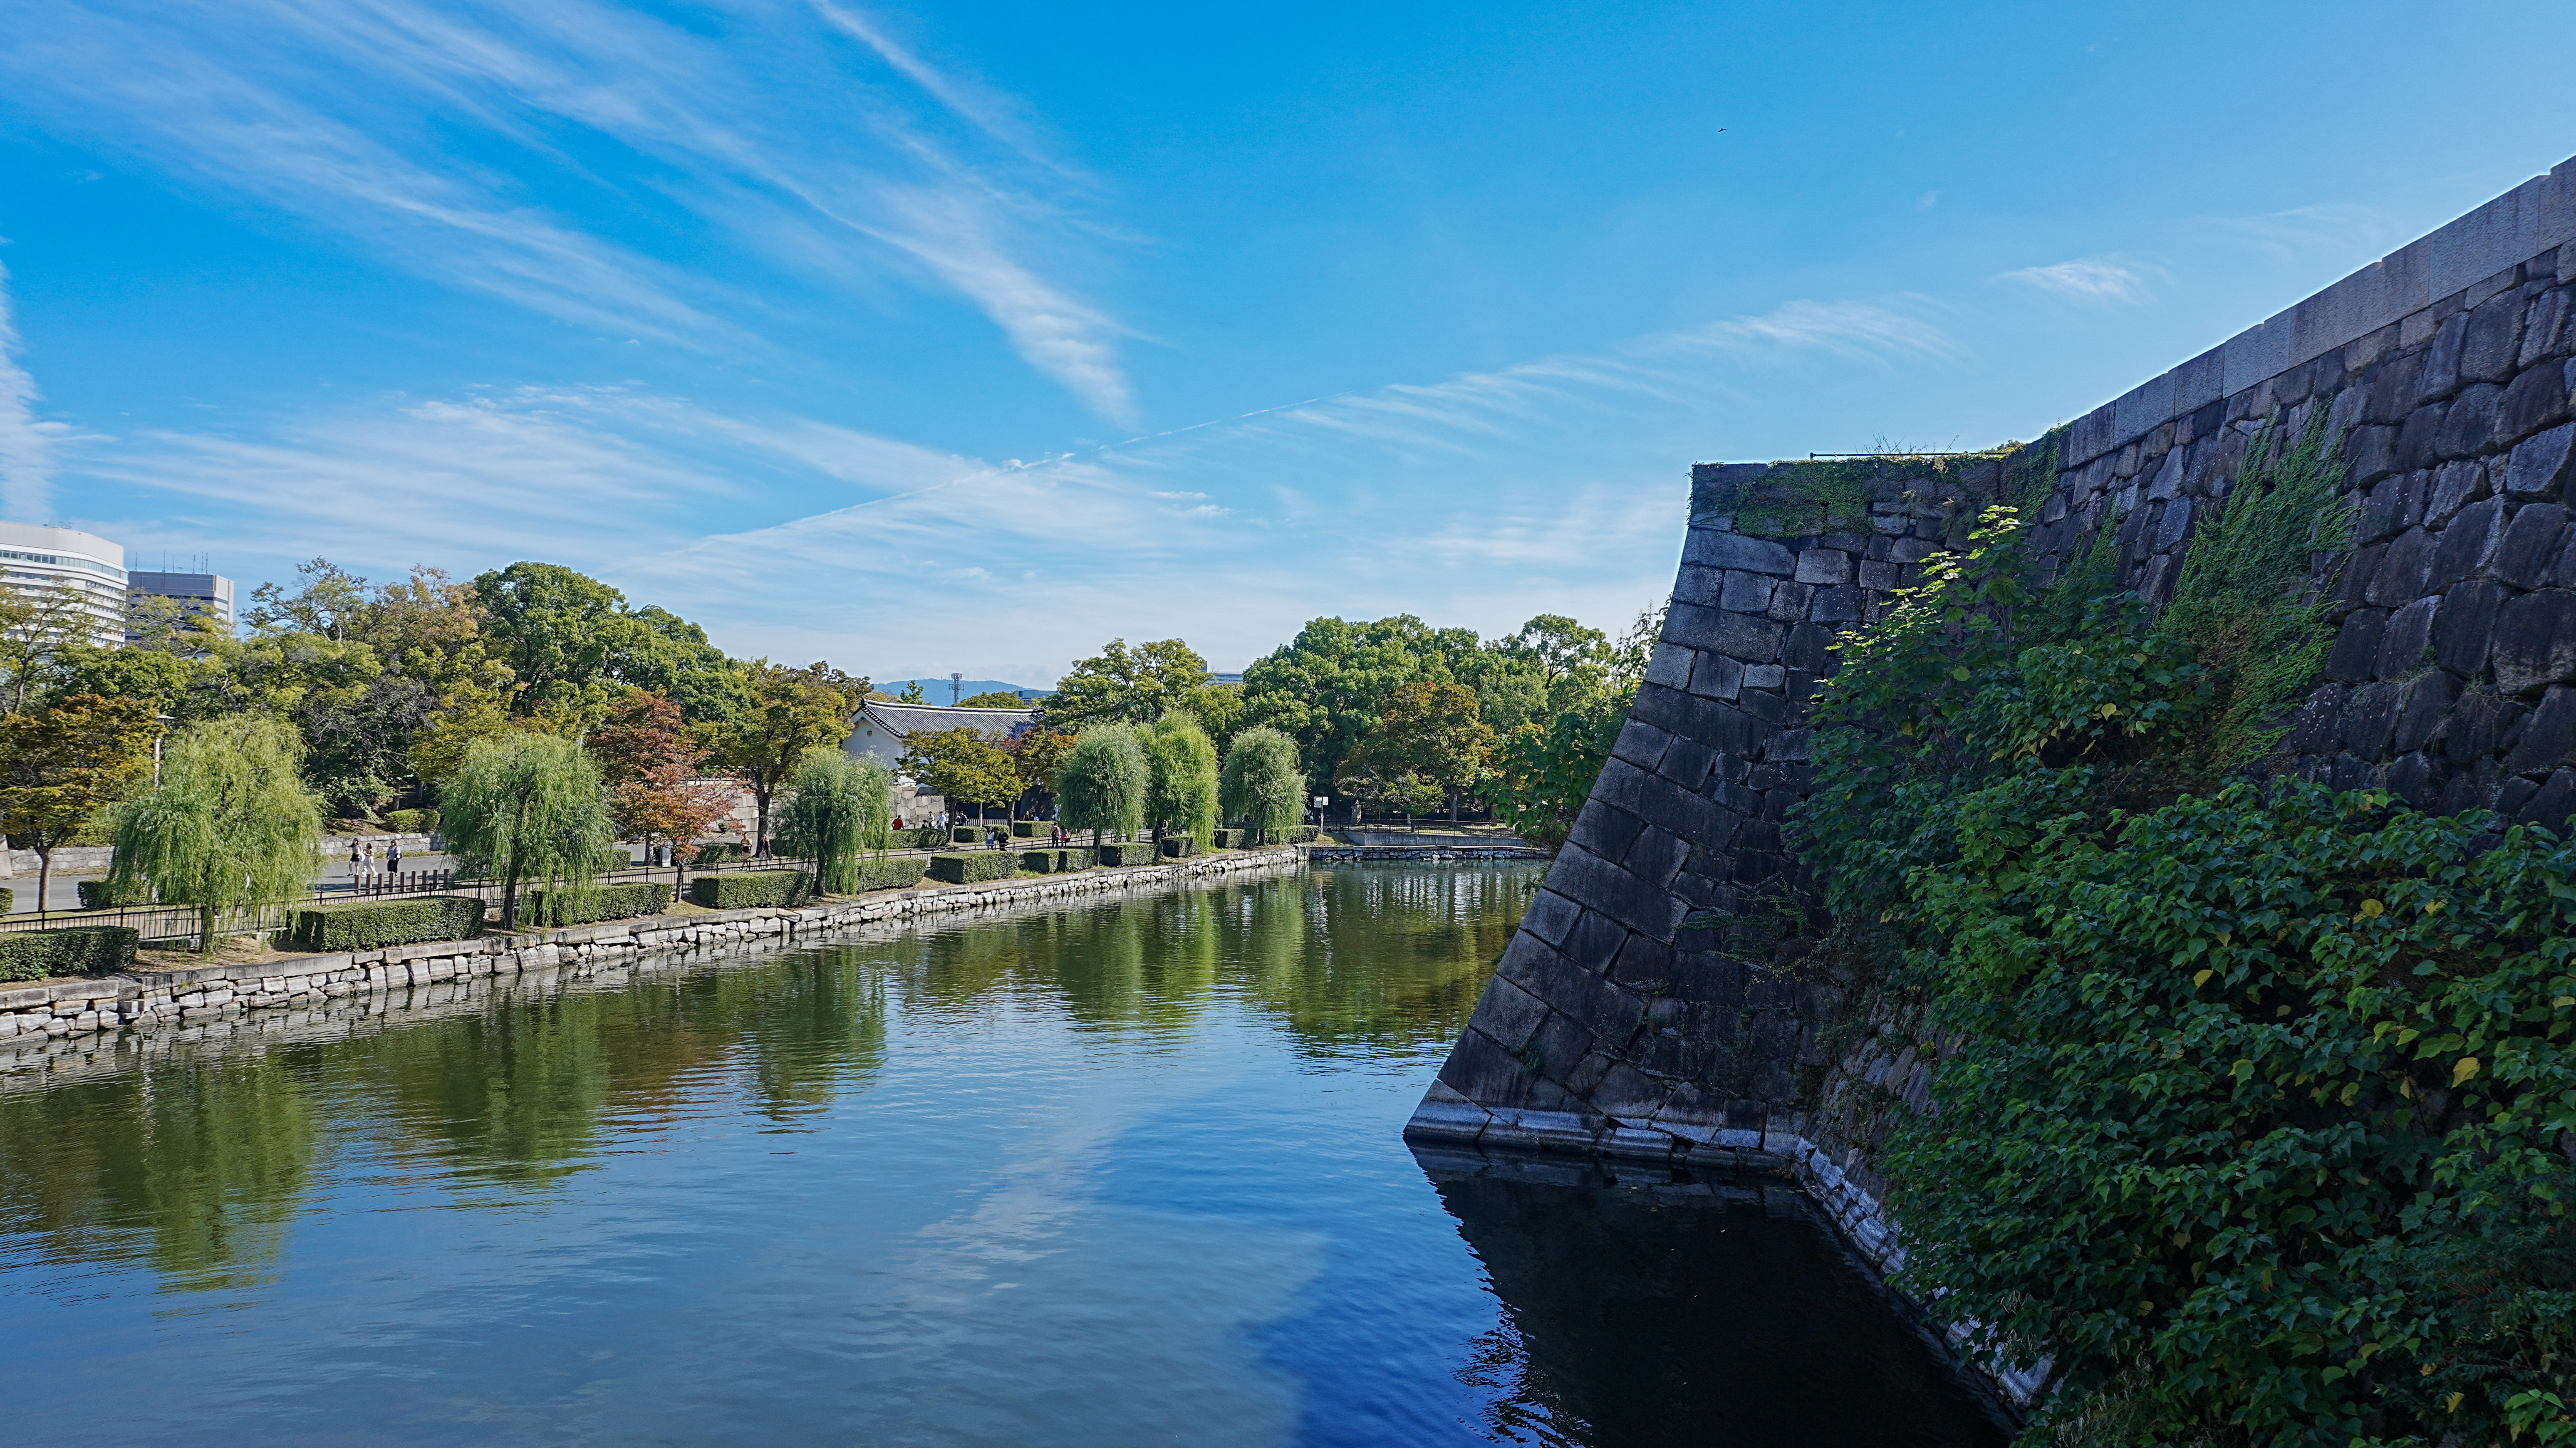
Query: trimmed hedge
95	895
369	924
894	872
1180	847
752	890
1025	829
967	869
599	902
1289	835
1231	839
86	950
965	834
8	901
1130	852
719	853
1054	862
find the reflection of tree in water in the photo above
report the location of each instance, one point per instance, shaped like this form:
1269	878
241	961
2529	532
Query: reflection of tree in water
1669	1314
196	1168
196	1161
1385	958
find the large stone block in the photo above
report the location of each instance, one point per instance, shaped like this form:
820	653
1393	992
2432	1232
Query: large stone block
2398	579
1824	565
2535	641
2466	546
1747	592
1612	891
2440	376
2469	428
2465	628
2407	644
2544	328
2370	719
2417	438
1738	636
2539	465
1713	548
2355	656
2535	401
2550	736
2455	486
2492	339
2481	723
2531	545
2425	711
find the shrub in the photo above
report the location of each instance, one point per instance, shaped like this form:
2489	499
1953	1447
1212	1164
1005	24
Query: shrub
1038	862
1299	834
375	923
88	950
8	901
412	821
965	869
599	902
723	851
1230	839
1025	829
1129	852
752	890
1179	847
924	837
107	894
895	872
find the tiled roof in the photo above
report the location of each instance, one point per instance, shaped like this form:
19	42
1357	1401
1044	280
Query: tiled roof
903	719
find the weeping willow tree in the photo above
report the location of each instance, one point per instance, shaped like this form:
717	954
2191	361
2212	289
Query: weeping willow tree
1262	785
843	806
1100	787
229	826
528	808
1181	777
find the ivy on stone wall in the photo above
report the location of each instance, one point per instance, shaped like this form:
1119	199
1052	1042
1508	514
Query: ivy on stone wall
2257	1117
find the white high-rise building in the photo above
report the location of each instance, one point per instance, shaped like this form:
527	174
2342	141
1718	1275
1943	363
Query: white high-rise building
82	567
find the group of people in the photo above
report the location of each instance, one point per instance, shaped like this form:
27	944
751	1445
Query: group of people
362	859
995	837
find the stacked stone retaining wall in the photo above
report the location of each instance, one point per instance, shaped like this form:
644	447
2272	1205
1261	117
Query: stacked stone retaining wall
1618	1022
60	1022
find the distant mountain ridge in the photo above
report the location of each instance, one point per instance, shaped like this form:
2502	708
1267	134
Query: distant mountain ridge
936	690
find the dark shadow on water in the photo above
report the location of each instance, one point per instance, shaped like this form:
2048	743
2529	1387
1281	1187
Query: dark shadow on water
1643	1309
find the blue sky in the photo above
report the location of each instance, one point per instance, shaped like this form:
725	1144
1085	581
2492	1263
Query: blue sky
966	337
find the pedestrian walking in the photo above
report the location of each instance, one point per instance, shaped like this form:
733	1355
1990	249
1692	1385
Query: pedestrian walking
371	857
357	864
393	859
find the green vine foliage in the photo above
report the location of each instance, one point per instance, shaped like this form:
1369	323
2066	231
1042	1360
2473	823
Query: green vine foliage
2257	1107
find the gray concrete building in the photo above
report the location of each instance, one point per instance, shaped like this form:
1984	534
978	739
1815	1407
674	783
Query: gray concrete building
197	593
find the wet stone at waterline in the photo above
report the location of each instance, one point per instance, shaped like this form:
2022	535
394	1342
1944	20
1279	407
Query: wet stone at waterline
1128	1172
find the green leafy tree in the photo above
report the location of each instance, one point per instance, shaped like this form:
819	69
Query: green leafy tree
1543	774
1128	686
528	808
328	602
1328	688
1101	785
60	766
785	712
842	807
912	694
37	627
1180	778
965	765
993	699
1261	784
1435	732
650	761
230	825
562	633
1037	754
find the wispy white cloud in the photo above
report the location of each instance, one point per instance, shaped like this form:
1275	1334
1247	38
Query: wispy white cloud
463	142
27	442
2099	280
2286	236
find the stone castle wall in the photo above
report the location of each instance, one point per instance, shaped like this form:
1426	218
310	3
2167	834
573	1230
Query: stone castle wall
1616	1023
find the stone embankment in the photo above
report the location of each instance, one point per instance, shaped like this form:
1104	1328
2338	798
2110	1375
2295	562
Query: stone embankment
40	1020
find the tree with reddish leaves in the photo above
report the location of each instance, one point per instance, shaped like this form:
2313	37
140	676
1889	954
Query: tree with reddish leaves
650	760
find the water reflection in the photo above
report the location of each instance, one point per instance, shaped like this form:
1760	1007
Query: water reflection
1645	1309
1117	1173
196	1160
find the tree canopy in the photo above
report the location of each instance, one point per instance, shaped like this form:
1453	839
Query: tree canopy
228	826
1101	786
1261	784
784	713
1128	686
965	765
527	807
1180	778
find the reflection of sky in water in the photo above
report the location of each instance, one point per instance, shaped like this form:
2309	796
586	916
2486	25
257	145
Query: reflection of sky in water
1117	1175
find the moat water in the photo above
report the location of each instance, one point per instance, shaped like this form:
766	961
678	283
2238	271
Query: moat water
1118	1174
